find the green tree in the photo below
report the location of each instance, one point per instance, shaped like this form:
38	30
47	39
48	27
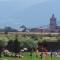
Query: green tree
2	45
10	45
16	46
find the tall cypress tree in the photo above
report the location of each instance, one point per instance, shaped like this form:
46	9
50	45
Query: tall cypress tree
16	45
10	45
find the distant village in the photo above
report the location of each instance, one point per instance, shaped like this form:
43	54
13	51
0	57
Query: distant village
53	28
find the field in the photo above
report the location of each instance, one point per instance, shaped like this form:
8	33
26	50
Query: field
28	57
12	36
8	37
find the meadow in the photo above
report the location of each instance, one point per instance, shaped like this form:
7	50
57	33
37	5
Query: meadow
28	57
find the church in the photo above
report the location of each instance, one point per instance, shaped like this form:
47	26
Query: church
53	27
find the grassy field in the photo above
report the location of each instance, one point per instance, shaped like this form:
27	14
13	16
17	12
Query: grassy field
27	57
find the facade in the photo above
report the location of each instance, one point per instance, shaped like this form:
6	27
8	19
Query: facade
53	27
53	24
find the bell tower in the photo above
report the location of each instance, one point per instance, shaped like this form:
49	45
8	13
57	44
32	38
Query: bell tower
53	24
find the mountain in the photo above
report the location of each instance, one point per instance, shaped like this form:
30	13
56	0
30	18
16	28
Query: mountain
8	29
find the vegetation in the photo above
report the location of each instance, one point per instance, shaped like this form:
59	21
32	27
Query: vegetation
27	57
14	43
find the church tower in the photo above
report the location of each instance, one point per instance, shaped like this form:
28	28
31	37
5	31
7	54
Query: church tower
53	24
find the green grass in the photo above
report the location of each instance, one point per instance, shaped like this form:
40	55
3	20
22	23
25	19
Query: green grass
27	57
33	58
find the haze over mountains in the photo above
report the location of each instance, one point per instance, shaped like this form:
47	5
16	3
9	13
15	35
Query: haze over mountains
32	13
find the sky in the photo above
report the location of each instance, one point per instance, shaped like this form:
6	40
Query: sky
31	13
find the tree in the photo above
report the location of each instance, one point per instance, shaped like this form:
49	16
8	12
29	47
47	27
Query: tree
27	42
10	45
30	43
16	46
1	46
